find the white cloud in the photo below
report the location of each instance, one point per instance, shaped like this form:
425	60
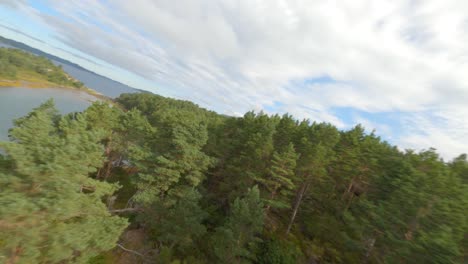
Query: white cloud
444	128
232	56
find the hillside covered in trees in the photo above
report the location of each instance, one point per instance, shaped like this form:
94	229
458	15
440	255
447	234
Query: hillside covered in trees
18	68
158	180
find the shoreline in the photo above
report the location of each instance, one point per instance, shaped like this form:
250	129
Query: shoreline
46	84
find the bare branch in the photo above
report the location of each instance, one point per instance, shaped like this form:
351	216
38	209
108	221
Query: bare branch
126	210
131	251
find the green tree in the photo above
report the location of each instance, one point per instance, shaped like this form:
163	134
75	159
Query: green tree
280	179
177	157
249	148
315	147
237	239
180	227
51	211
124	134
279	251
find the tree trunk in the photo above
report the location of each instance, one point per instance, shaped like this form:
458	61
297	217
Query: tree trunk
348	193
272	196
15	255
297	204
108	163
126	210
370	247
131	251
413	226
108	170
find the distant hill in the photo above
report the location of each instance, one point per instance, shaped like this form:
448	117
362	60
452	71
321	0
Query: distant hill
35	51
97	82
18	67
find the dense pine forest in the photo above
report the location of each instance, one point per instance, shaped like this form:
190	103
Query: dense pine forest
156	180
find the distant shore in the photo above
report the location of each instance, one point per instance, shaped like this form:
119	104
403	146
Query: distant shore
45	84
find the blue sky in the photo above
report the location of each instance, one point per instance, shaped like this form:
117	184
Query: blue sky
397	67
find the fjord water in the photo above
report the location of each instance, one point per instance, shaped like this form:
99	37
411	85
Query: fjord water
97	82
16	102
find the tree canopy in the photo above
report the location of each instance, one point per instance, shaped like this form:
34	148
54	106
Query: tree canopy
158	180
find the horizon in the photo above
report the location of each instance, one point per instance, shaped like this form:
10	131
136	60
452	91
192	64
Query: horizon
398	70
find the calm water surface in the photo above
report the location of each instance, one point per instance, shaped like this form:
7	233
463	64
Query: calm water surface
17	102
96	82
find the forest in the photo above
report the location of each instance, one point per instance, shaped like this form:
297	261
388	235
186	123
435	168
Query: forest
16	64
149	179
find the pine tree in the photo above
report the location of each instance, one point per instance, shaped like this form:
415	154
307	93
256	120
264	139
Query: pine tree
177	160
315	147
180	226
343	197
280	179
235	241
51	210
249	151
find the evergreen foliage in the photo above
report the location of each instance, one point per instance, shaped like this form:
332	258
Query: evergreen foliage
51	211
206	188
236	240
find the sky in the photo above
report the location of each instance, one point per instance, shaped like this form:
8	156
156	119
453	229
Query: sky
397	67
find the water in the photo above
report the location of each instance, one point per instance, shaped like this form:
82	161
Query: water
17	102
99	83
4	45
96	82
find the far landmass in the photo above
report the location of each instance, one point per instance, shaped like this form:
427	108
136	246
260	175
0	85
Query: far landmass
22	69
93	80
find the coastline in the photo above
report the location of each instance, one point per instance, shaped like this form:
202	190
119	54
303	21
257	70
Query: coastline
46	84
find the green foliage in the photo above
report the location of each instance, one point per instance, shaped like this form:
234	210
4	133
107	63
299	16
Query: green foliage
51	210
124	134
236	240
279	182
181	224
14	62
277	251
248	149
174	158
190	181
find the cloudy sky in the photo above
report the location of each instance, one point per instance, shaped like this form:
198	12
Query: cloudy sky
399	67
